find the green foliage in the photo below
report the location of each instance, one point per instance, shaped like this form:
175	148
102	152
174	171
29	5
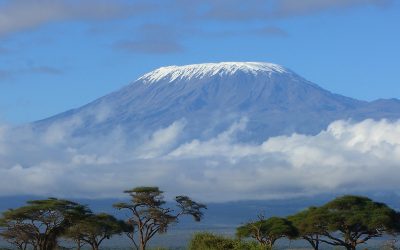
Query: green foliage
311	224
40	223
361	214
94	229
209	241
190	207
310	221
149	216
267	231
150	196
346	221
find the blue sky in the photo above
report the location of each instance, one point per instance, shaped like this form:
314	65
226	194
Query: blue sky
60	54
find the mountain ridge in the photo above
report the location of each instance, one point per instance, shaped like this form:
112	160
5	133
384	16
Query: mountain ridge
210	97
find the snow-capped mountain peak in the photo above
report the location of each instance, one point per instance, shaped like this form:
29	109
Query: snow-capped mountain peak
210	97
195	71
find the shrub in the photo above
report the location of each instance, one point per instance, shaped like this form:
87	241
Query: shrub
209	241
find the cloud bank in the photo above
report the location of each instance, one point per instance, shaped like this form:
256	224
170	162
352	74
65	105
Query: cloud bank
346	157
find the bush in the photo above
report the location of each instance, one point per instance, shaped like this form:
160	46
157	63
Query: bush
209	241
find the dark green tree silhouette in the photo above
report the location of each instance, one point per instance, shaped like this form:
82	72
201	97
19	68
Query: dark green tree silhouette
149	216
267	231
40	223
94	229
311	225
349	221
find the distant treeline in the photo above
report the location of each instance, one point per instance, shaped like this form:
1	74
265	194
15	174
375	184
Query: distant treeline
346	222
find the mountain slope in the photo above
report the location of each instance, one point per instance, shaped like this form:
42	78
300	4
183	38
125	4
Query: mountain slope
210	97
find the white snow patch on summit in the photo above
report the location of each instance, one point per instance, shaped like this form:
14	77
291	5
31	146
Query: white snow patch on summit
195	71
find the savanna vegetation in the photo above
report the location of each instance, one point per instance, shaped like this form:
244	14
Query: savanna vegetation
40	224
345	223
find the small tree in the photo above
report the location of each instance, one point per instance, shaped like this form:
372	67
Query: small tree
94	229
17	234
353	220
149	216
267	231
311	225
40	223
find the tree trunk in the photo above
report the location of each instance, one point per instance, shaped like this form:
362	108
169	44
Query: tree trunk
95	246
142	245
79	244
270	244
315	245
350	247
313	242
47	243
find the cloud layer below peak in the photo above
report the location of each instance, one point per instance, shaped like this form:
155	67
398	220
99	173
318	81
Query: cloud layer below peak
346	157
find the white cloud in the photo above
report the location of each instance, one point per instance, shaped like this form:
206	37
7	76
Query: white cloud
346	157
221	145
161	141
58	132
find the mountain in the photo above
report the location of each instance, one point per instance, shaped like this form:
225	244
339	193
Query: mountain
209	97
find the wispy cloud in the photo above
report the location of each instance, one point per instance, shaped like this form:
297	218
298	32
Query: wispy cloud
236	10
162	39
347	157
271	31
150	46
163	22
4	50
161	141
5	74
46	70
266	31
287	8
29	14
153	39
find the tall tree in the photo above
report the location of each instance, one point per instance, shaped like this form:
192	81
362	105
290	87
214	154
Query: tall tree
353	220
41	222
94	229
267	231
149	216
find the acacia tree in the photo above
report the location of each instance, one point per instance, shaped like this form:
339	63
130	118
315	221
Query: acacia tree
311	225
17	234
94	229
149	216
267	231
353	220
40	223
